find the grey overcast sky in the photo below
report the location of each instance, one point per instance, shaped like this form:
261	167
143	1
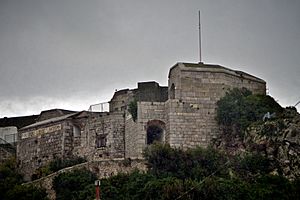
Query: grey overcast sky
73	53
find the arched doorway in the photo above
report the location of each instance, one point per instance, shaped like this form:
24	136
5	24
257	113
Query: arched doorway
155	131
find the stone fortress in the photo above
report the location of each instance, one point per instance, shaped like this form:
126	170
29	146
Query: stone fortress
181	114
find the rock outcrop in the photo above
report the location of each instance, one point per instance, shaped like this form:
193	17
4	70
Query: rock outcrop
277	139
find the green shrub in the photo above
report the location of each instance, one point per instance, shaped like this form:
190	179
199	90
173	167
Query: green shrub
56	165
250	166
8	177
199	174
26	192
78	184
126	186
132	109
60	163
163	161
114	187
271	187
10	184
239	108
215	188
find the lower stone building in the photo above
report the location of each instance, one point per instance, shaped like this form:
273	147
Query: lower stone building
54	136
181	114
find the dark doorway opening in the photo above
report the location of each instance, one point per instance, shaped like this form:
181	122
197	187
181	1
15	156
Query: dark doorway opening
154	134
172	91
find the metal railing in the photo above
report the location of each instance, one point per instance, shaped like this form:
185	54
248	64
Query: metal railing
99	107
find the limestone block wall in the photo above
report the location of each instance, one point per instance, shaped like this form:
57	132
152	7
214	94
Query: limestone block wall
131	137
39	145
147	112
120	100
135	132
151	92
191	113
190	126
150	111
174	83
111	127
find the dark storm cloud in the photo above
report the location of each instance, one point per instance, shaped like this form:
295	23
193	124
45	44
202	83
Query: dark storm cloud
72	53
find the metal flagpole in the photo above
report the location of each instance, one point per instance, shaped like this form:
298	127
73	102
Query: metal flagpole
200	56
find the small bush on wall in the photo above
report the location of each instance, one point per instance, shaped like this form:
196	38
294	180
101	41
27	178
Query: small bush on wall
132	109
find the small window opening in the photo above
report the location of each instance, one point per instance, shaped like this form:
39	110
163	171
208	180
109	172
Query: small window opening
172	91
76	131
101	141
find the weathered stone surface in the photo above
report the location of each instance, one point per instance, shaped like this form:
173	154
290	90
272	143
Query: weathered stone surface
282	145
111	127
7	151
191	108
42	142
183	113
277	140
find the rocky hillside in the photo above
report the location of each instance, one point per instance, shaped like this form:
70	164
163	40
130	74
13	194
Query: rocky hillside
278	140
247	127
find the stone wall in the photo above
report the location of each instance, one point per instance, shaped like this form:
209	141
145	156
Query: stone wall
131	137
136	132
149	112
41	144
7	151
37	147
185	111
194	90
108	127
145	92
190	126
9	134
151	92
120	100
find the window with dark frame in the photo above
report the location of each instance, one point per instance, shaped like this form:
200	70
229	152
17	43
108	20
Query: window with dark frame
101	141
76	131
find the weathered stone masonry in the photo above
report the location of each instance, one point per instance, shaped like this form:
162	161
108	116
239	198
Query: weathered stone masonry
46	140
103	137
181	114
194	90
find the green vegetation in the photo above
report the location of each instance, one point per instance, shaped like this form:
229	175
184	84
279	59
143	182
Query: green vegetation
173	174
164	161
239	108
56	165
78	185
205	173
11	187
132	109
200	174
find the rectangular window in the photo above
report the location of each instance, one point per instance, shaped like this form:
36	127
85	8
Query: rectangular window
76	131
100	141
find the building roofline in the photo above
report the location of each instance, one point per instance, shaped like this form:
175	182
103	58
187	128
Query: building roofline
51	120
201	67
